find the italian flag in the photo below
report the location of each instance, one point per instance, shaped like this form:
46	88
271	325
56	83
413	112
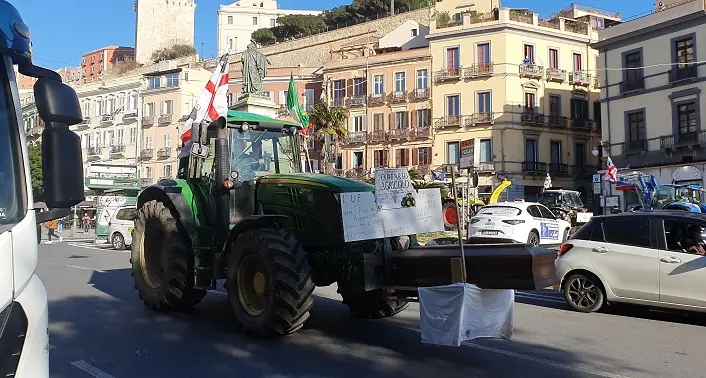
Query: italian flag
299	115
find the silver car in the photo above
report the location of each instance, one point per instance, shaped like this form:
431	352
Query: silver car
648	258
120	228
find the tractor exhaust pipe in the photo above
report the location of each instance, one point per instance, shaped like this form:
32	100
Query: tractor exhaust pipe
221	161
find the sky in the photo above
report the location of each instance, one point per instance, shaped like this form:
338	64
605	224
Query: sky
64	30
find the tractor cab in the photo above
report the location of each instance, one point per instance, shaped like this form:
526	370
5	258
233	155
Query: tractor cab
564	203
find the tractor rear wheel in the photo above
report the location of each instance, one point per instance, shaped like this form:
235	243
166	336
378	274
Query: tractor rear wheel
162	263
269	282
372	305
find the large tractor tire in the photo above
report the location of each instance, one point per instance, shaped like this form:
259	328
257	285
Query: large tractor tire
162	262
372	305
269	282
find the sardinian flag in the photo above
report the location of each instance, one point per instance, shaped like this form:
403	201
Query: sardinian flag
611	171
547	181
213	102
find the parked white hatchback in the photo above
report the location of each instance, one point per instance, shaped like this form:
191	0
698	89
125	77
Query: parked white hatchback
518	222
649	258
120	228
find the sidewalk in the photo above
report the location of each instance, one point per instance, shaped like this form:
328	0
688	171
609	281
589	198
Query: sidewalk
66	235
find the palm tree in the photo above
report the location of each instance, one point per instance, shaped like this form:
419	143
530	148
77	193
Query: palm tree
331	122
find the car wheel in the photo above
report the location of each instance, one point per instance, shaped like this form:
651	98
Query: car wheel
533	238
118	241
583	293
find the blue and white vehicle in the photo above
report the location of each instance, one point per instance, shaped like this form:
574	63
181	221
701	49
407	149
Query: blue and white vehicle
517	222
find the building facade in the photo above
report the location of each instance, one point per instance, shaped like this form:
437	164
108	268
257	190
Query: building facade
651	95
95	63
385	85
522	90
160	24
237	21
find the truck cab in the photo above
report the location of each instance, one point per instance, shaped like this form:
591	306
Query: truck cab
24	338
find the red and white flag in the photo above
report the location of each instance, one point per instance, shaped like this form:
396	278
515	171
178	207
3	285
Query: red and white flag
611	171
213	102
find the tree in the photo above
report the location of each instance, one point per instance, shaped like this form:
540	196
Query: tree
331	122
295	24
35	169
173	52
263	36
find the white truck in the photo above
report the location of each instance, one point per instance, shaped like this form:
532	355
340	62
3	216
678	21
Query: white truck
24	339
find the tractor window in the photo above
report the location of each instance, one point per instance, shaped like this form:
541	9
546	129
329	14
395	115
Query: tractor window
255	153
550	199
663	196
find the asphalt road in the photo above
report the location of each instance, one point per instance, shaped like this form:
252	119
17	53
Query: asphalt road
99	328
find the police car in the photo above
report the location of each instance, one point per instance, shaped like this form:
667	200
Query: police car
517	222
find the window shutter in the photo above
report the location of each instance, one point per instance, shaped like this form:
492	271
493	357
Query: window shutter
406	119
573	108
398	157
415	156
585	109
391	121
384	158
415	122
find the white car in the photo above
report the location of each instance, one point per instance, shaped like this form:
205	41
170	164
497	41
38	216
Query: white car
120	228
519	222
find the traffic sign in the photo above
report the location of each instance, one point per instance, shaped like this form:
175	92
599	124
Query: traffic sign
596	179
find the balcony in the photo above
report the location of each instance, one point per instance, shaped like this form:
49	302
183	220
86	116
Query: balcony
637	145
107	120
146	181
377	136
86	123
531	71
357	173
282	111
147	121
447	74
480	119
421	133
688	139
448	121
634	84
165	119
147	153
117	149
35	131
534	167
683	73
420	94
356	101
164	153
397	97
580	78
558	169
376	99
479	70
94	153
338	102
130	116
399	134
582	124
596	82
556	75
423	169
485	167
532	118
355	137
554	120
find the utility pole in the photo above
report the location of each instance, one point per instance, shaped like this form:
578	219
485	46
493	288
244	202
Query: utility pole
392	7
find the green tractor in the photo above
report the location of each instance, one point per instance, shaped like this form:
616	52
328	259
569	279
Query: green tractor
242	211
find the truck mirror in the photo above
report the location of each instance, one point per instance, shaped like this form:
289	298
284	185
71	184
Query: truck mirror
62	166
57	102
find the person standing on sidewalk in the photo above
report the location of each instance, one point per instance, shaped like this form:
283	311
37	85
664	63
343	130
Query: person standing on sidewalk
86	222
51	227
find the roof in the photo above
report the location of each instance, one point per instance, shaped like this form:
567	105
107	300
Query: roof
520	205
236	116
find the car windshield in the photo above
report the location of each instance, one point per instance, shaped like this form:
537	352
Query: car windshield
11	208
259	152
500	211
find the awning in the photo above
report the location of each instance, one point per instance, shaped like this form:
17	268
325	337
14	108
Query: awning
86	205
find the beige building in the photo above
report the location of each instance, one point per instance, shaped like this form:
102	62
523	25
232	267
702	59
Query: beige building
170	93
523	89
651	96
160	24
385	85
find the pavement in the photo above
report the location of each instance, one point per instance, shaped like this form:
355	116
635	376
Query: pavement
99	328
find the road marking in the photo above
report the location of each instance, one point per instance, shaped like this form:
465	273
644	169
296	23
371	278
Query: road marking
542	361
84	268
540	299
542	296
217	292
90	369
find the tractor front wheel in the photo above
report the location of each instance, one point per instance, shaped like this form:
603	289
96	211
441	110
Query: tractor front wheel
372	305
162	264
269	282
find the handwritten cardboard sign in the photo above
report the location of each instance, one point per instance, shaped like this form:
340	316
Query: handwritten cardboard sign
362	220
392	186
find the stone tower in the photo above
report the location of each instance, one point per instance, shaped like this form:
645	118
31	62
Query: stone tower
160	24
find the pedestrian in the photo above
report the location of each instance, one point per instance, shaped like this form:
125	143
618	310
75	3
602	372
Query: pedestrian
86	222
51	227
60	227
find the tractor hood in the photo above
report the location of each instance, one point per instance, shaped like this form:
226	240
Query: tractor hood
332	183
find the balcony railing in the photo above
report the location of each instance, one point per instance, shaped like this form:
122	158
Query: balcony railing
480	118
164	153
117	149
85	123
397	96
559	168
555	74
632	85
147	153
422	133
580	78
107	119
479	70
356	101
449	73
637	145
485	167
165	119
534	166
554	120
688	138
420	94
356	137
376	99
94	151
448	121
582	124
130	116
357	173
683	73
147	121
146	181
338	101
531	118
531	70
378	136
397	134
